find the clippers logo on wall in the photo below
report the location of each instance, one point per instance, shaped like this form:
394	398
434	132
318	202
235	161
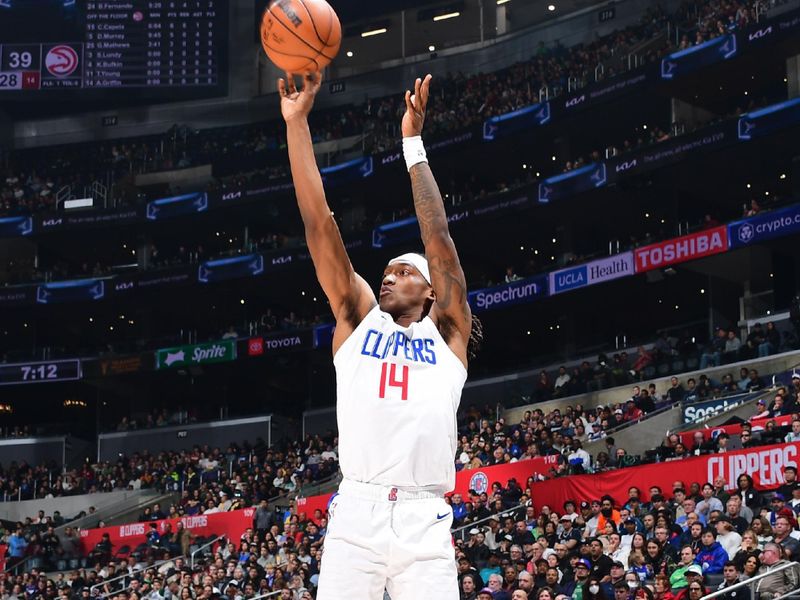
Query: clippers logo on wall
62	66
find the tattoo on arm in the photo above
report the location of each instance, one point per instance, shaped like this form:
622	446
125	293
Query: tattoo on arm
445	267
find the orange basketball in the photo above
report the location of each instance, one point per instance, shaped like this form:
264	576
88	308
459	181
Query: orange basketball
300	35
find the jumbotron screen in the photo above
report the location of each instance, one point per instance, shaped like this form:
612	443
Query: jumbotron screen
87	45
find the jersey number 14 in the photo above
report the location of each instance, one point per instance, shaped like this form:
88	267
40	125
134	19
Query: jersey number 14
389	379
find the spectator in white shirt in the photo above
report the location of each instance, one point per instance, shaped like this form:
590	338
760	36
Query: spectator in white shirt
562	380
794	434
727	536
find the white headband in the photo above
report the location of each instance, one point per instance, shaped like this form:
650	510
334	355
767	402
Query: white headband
416	260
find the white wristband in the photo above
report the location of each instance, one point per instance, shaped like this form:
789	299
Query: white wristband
414	151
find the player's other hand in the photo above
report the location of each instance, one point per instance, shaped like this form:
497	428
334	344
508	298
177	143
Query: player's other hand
294	104
416	104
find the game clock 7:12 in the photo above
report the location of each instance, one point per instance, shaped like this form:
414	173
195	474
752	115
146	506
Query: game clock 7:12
56	370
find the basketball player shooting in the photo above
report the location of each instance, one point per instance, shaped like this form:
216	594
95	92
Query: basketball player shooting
401	363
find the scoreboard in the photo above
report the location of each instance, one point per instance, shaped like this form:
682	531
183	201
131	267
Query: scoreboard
117	44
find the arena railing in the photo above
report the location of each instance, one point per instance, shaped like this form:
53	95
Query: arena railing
751	584
203	547
133	572
459	531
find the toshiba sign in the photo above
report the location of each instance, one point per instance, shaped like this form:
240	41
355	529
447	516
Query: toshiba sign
678	250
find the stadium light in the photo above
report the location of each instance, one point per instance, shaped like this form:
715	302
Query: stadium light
372	32
551	7
451	15
499	2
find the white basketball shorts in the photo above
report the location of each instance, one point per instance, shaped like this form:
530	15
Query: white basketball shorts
387	538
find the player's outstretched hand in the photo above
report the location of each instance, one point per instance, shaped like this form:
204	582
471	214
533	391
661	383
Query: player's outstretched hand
294	104
416	104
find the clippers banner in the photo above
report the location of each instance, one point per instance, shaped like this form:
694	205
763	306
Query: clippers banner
231	524
764	464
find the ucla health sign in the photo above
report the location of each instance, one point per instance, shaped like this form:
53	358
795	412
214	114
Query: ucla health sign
764	227
596	271
508	294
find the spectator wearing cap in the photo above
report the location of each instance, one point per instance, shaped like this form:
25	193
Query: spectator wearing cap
730	577
476	549
616	576
591	524
485	594
777	502
711	555
694	576
582	570
569	535
776	583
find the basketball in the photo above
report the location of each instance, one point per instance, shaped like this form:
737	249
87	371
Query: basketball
300	35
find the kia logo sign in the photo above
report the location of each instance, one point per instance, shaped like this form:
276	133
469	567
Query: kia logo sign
627	165
282	260
761	33
52	222
232	196
574	101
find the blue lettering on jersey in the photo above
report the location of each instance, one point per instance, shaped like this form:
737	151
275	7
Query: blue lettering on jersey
376	345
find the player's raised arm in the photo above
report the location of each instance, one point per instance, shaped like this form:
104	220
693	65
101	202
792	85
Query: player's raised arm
350	296
450	310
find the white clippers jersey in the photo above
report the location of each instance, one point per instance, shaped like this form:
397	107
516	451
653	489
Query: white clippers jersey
398	390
